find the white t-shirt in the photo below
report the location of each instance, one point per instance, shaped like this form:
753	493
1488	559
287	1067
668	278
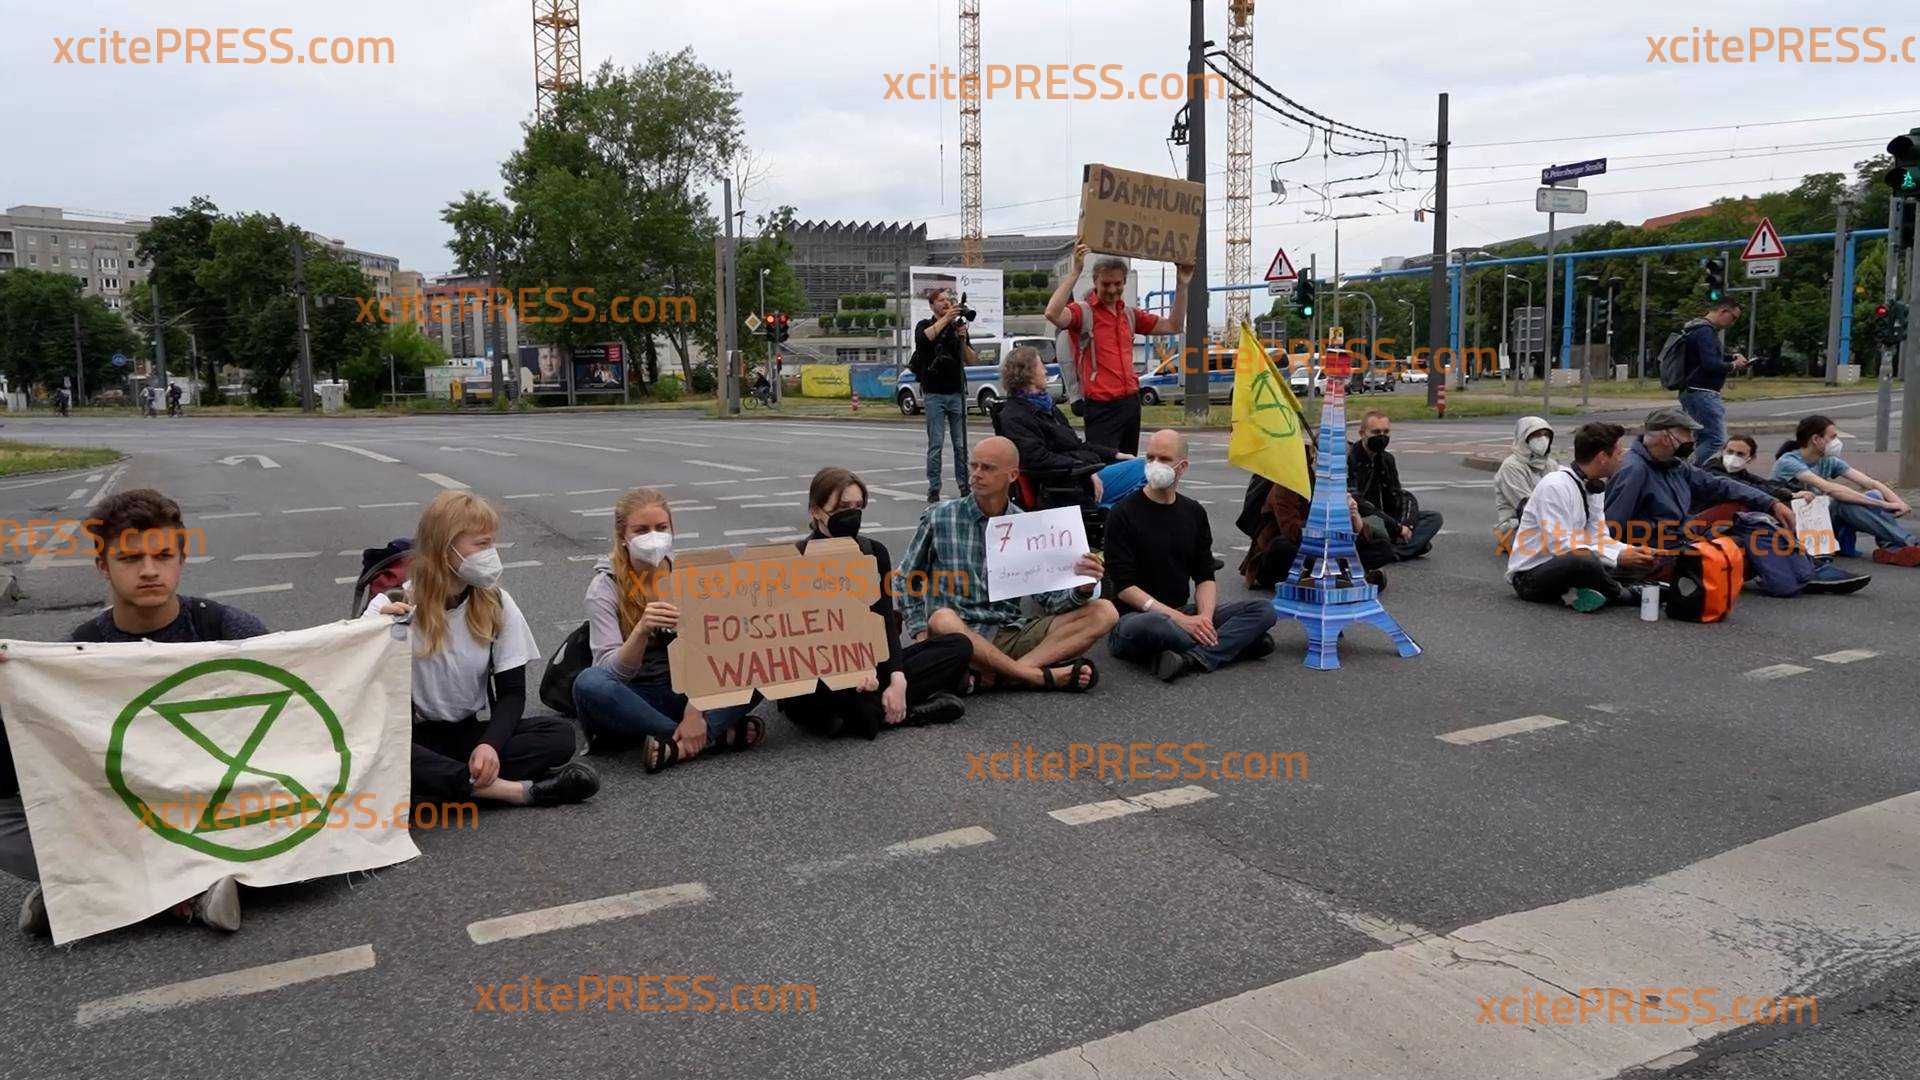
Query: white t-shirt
452	683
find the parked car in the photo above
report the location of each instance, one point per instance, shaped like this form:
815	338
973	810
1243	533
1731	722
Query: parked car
1297	380
1413	375
1170	388
1377	380
983	379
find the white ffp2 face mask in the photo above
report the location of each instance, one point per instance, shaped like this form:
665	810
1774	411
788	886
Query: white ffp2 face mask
1540	444
651	548
1160	475
1834	446
481	569
1735	462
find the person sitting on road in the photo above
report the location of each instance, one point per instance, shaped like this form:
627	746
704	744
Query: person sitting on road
1861	502
626	698
1735	462
1392	517
1656	493
1049	447
949	547
139	548
1159	551
915	685
471	649
1513	482
1274	518
1562	551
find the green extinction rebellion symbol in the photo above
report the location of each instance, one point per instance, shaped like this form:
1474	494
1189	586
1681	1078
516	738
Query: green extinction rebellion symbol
277	688
1270	409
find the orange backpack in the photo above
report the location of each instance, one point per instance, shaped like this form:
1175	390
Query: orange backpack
1706	580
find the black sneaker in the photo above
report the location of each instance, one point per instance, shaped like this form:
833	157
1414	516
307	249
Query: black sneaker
1172	665
1261	648
933	496
1833	580
570	783
942	708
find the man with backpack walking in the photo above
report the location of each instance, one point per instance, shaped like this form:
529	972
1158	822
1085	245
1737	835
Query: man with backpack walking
1694	363
1099	330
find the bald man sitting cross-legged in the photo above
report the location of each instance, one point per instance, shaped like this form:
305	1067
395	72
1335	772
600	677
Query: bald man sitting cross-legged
949	553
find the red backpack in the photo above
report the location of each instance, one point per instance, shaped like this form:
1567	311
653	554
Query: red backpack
1707	580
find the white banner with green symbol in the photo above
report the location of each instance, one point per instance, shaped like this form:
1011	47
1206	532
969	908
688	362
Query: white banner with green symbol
151	771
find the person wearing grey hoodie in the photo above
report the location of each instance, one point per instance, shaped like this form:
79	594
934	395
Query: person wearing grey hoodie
1513	483
626	698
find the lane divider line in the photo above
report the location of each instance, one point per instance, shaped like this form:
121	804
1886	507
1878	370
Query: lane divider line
253	980
587	912
1847	656
1776	671
362	453
1486	732
1087	813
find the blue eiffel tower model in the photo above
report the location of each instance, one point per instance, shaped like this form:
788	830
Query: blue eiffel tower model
1327	588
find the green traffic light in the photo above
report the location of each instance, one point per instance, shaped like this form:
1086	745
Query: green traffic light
1908	181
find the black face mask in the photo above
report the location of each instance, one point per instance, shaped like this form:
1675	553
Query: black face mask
844	523
1377	444
1684	451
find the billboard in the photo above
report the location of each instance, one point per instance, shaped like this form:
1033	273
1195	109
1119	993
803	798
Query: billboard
985	291
596	368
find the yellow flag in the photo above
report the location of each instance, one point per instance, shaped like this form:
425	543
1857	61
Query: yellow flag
1269	428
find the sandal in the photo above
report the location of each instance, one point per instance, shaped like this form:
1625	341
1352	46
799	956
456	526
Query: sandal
659	753
1073	684
744	735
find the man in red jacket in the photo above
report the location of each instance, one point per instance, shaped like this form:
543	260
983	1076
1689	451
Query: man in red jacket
1100	329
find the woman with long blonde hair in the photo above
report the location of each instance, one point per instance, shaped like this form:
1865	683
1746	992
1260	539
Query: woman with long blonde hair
471	648
626	698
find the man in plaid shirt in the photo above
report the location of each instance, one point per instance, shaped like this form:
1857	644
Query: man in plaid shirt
948	552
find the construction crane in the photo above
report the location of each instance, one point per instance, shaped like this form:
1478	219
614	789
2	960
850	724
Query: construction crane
556	51
1239	168
970	249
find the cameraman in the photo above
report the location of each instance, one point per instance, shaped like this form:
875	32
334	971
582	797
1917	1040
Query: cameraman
941	355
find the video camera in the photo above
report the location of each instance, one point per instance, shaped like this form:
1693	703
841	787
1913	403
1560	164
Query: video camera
966	313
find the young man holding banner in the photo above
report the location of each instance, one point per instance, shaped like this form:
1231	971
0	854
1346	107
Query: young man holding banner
1099	329
139	548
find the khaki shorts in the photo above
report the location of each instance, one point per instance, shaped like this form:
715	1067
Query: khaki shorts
1020	638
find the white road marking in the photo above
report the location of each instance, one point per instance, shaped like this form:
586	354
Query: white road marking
1776	671
720	465
280	555
734	498
970	836
712	483
388	506
285	586
529	495
265	461
674	442
758	532
886	528
1138	804
75	494
584	558
1847	656
94	478
1469	736
895	493
222	517
254	980
575	445
595	491
348	580
313	510
586	912
519	565
447	482
766	506
362	453
478	450
1749	921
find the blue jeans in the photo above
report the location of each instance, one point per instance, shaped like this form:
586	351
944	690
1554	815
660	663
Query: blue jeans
1880	524
1143	635
1121	479
948	411
617	714
1708	410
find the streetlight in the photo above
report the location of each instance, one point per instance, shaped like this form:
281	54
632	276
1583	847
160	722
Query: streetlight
1645	268
1505	346
1410	329
1459	362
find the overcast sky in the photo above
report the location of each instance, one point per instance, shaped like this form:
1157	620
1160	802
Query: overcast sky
370	154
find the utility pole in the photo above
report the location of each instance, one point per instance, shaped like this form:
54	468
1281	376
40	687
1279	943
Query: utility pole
500	332
1195	343
79	369
300	294
1439	304
1910	390
1840	229
1476	321
1640	371
1316	356
1546	341
1883	418
1506	347
1586	356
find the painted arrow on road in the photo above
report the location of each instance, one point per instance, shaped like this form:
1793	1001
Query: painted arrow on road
478	450
265	461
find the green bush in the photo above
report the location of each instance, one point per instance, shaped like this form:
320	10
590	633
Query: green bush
705	379
669	389
826	323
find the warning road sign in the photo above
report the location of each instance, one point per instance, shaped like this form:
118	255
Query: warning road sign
1765	243
1282	268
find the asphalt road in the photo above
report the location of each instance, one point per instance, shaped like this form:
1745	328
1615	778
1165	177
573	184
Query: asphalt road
1676	753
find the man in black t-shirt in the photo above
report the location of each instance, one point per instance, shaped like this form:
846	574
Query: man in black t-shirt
139	546
941	354
1158	544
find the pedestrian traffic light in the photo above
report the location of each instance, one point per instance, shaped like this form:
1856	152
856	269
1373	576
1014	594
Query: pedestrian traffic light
1904	176
780	327
1890	323
1303	296
1716	278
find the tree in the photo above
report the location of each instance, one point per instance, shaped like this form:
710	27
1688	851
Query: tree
771	251
400	356
175	246
37	312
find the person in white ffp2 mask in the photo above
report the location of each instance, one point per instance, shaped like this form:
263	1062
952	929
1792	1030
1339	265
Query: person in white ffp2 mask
1529	462
1160	560
626	699
470	638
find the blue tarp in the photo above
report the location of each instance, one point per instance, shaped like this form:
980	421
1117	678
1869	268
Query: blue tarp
874	380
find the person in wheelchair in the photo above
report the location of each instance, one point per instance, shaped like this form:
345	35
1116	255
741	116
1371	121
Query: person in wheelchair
1065	469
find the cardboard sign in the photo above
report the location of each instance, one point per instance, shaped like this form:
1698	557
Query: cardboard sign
773	620
1140	215
1815	527
1034	553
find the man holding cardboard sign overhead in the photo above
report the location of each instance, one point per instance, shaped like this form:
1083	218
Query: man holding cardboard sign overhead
1122	213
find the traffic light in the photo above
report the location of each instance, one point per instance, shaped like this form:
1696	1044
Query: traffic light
1716	278
1904	176
780	327
1303	296
1890	324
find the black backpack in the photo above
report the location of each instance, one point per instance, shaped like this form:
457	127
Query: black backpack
574	656
1673	357
205	616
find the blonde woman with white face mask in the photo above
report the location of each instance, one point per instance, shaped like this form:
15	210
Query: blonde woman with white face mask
626	698
471	648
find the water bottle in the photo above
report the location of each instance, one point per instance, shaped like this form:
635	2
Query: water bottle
1649	603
